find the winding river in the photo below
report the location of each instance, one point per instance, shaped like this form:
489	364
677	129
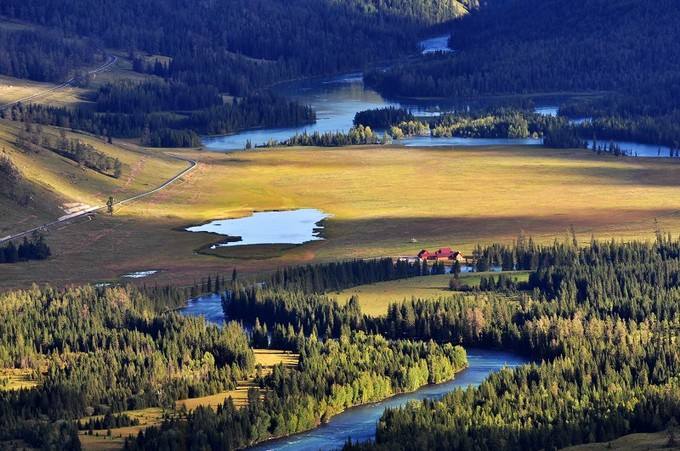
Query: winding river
359	423
337	99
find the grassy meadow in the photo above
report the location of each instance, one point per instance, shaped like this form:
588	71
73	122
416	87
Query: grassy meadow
380	199
375	298
56	180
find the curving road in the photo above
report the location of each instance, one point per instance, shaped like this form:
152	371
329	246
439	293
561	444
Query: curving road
91	210
63	219
104	67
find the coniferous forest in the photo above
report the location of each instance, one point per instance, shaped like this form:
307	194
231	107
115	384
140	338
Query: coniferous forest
264	43
624	52
599	321
595	325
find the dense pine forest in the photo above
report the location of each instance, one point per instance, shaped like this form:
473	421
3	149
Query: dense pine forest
332	375
235	47
99	350
599	320
42	55
159	128
624	50
311	37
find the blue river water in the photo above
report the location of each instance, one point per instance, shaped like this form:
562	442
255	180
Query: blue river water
359	423
337	99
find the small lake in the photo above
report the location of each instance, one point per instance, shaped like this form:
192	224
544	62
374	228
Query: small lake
435	44
636	149
267	227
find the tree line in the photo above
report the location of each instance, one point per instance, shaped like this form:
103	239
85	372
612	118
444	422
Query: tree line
356	135
160	128
33	249
98	350
332	375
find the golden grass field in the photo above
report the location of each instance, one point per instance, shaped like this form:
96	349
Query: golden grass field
380	198
57	181
100	440
375	298
14	89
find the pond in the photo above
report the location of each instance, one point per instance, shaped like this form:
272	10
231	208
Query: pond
267	227
435	44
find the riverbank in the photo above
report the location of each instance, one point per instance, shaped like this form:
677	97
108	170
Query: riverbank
359	422
299	436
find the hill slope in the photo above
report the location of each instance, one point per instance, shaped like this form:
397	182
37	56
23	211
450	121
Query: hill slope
58	185
525	46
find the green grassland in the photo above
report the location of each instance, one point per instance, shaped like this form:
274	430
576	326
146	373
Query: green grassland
375	298
380	198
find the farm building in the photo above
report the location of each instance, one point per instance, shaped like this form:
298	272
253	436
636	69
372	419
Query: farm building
444	253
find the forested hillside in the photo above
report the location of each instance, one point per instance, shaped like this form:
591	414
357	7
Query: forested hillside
41	56
600	321
237	47
106	350
305	36
625	49
524	46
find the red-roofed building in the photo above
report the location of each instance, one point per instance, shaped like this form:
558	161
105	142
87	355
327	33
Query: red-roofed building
445	253
424	254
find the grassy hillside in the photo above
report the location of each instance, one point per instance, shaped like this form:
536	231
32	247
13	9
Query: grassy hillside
57	182
380	199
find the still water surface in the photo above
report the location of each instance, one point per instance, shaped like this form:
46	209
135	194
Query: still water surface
337	99
267	227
